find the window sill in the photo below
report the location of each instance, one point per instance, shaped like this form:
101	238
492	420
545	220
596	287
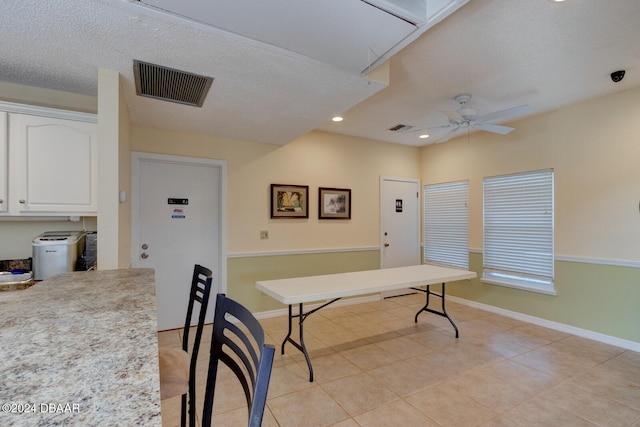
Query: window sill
521	286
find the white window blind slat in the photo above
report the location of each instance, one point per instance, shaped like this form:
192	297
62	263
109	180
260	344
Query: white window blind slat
518	228
446	224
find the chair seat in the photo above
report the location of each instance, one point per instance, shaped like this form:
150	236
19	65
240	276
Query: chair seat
174	372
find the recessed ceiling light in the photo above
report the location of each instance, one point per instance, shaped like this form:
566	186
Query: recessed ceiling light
424	136
337	119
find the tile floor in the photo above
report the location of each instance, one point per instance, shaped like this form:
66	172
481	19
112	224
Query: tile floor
374	366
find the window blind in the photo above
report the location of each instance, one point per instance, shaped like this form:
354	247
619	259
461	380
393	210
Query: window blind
446	224
518	229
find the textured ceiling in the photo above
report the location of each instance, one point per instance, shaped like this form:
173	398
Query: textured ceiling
504	52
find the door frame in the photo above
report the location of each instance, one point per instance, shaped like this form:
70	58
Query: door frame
220	276
382	200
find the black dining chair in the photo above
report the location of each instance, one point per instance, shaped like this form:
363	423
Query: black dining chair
177	366
238	342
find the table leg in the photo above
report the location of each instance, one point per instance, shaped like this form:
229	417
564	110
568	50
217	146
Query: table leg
300	346
442	313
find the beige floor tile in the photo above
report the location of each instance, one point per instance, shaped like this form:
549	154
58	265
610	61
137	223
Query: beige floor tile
398	413
489	391
500	421
358	393
553	362
379	333
453	360
288	378
403	378
434	340
323	326
403	347
626	366
346	423
399	311
369	357
310	407
343	341
514	373
239	418
171	410
374	366
450	408
585	350
595	407
169	339
332	367
503	345
544	335
540	412
614	386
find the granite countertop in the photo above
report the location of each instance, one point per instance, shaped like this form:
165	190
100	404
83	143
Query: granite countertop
81	349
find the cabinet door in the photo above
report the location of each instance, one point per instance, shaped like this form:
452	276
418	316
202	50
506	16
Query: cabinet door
55	165
3	163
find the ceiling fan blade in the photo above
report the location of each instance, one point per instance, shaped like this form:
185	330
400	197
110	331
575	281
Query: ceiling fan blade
453	115
505	114
447	135
502	130
427	129
441	127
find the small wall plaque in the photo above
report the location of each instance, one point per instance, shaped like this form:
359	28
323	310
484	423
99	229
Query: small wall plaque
174	201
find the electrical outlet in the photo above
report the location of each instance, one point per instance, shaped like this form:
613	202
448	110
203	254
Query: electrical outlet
264	234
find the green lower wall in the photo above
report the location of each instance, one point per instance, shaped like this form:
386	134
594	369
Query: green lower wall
244	272
595	297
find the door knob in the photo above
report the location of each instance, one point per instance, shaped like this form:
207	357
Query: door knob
386	245
144	255
145	246
23	201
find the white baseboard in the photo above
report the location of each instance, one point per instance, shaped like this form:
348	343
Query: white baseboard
585	333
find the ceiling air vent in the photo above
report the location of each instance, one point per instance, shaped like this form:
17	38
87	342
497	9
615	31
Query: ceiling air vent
400	128
168	84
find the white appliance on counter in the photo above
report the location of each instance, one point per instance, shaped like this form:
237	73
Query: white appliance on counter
56	252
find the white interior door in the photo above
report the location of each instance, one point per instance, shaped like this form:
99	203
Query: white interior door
178	221
399	224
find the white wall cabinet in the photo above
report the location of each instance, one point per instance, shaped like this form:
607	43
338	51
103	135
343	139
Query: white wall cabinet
52	162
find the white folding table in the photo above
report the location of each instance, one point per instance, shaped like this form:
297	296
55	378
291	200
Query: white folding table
332	287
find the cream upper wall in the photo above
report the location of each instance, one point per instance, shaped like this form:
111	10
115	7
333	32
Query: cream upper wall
124	182
318	159
594	148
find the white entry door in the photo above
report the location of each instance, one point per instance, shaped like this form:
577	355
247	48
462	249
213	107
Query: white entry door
399	224
178	220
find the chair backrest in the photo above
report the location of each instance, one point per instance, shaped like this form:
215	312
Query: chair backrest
201	282
238	341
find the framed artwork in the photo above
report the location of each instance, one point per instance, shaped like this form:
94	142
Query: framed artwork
334	203
289	201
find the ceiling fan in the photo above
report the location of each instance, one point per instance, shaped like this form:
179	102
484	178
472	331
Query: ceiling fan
466	117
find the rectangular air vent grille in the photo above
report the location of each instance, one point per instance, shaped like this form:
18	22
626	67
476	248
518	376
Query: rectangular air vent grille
168	84
400	128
